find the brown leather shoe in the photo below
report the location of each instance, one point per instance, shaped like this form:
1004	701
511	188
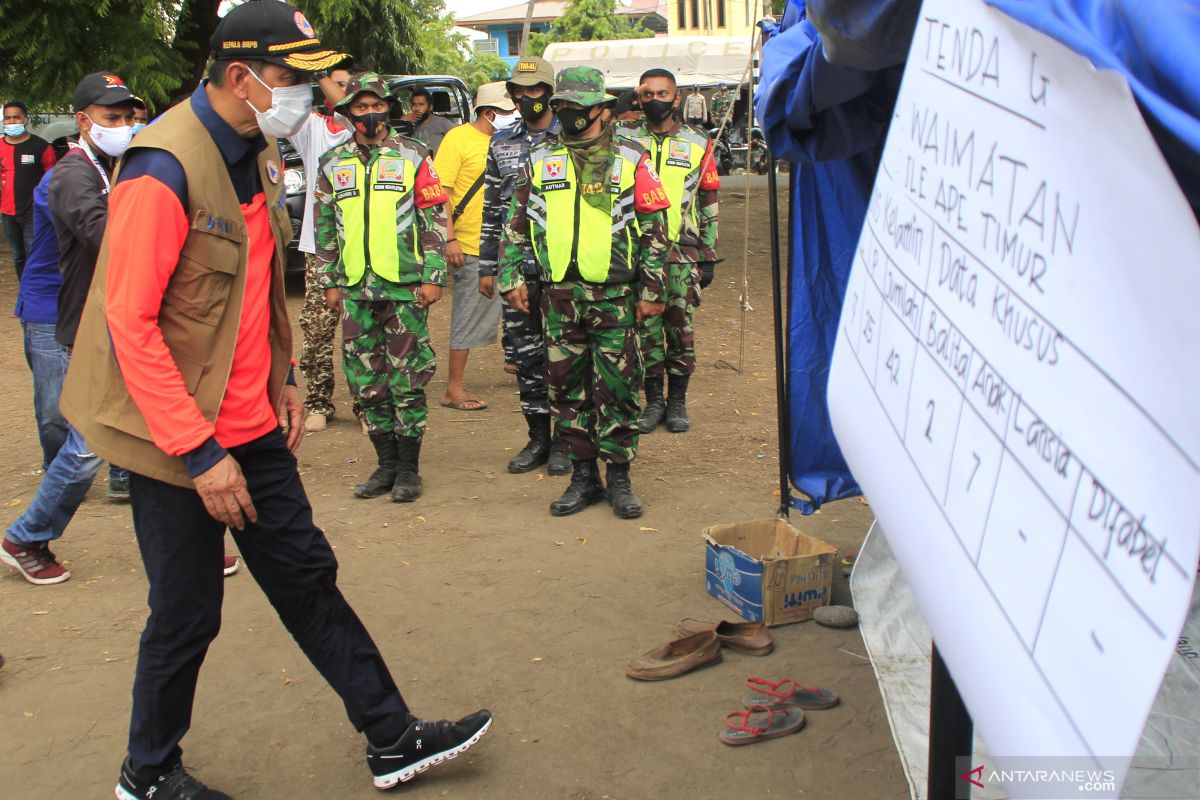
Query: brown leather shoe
751	638
676	658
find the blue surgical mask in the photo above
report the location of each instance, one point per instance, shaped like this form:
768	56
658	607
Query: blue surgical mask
137	126
14	130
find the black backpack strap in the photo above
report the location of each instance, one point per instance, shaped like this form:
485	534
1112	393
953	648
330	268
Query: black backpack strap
466	198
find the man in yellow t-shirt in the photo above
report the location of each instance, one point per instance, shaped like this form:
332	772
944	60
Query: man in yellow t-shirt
460	162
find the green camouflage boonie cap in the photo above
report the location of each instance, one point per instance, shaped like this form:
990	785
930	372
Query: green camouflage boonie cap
582	85
366	82
531	71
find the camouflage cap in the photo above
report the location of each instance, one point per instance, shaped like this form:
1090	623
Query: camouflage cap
531	71
366	82
582	85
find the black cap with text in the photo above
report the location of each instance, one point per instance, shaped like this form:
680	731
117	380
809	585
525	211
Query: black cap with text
274	32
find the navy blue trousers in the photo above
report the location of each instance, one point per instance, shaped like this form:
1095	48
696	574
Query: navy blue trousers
182	548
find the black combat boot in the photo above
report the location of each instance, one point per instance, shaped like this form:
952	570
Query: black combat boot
677	416
654	407
584	490
624	502
537	450
559	464
381	479
408	483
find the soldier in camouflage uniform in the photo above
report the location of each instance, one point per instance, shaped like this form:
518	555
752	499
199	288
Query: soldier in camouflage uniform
381	231
588	205
682	156
531	85
722	104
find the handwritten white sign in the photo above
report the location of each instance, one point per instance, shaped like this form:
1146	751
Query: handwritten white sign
1014	381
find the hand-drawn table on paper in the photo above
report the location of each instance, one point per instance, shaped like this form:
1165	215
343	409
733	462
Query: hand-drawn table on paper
1014	381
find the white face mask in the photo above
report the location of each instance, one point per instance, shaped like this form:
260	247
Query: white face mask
504	121
112	141
290	106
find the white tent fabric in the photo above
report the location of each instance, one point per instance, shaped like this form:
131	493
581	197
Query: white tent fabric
898	643
695	60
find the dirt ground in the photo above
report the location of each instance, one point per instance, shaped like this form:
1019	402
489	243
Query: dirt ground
477	597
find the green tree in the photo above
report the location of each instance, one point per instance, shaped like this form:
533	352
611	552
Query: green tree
588	21
160	47
382	35
46	46
443	51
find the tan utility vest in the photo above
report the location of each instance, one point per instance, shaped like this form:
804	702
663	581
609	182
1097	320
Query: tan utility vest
201	308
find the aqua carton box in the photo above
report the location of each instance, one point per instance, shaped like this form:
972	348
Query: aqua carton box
766	570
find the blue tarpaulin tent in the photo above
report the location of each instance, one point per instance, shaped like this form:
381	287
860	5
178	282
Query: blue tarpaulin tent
830	75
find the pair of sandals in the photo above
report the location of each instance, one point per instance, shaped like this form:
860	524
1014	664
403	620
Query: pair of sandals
773	709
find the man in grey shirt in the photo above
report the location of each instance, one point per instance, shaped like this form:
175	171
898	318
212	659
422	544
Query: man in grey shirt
430	128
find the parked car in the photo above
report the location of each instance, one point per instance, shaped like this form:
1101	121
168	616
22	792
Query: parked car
451	100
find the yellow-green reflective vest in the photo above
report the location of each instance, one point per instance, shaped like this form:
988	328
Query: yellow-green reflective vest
676	158
581	241
375	216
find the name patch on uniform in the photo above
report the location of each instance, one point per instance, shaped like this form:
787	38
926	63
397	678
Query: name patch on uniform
615	186
343	177
345	194
555	185
27	158
205	222
676	162
391	170
389	187
554	168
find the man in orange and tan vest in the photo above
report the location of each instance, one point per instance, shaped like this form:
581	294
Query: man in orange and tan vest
182	374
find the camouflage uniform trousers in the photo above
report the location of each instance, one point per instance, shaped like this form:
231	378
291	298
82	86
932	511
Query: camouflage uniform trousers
318	323
669	340
593	371
388	360
529	351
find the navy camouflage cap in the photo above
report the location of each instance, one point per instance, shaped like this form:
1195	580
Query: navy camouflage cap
582	85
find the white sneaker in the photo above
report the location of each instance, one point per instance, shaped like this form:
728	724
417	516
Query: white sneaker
315	422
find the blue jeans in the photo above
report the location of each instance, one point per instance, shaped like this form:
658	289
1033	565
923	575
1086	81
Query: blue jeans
47	361
18	229
63	488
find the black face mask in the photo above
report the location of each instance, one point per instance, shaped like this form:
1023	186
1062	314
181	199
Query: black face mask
575	121
657	111
532	108
368	124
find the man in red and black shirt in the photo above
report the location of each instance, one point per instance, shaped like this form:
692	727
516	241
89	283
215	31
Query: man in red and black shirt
24	159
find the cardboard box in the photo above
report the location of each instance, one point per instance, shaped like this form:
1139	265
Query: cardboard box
767	570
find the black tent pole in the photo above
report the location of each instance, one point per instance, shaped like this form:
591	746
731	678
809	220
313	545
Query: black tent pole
950	734
781	368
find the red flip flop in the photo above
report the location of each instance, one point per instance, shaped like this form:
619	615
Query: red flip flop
787	692
780	721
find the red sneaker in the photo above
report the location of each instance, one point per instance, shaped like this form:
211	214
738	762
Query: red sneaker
231	565
35	562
